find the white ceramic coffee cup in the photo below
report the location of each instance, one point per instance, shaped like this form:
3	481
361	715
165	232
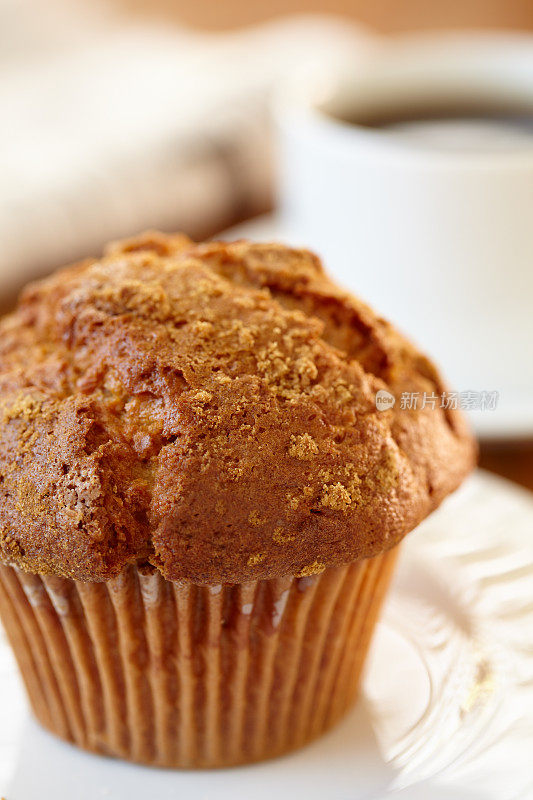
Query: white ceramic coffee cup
438	238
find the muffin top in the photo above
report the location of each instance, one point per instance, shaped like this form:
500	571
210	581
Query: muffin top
211	409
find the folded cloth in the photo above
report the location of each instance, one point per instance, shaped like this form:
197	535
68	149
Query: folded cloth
111	127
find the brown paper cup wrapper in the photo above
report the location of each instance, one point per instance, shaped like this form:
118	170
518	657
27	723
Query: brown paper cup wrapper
180	675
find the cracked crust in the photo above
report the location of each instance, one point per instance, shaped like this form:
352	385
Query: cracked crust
211	409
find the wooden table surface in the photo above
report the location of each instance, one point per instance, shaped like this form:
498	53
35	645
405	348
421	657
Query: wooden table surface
387	16
512	459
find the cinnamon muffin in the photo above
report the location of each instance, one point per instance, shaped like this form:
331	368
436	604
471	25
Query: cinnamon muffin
200	502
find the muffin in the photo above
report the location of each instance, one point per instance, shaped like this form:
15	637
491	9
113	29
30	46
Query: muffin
201	504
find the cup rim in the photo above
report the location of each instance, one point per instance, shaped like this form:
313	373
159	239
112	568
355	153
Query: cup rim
446	57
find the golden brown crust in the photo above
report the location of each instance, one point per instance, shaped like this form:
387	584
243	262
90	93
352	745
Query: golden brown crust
211	409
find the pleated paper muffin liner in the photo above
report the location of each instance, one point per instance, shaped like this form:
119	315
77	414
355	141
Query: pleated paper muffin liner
181	675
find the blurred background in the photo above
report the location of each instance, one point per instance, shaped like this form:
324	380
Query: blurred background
386	16
122	115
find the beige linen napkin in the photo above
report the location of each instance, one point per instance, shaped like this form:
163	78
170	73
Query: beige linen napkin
111	126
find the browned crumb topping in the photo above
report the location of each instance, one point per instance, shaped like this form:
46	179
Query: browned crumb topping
282	537
311	569
303	447
256	559
336	496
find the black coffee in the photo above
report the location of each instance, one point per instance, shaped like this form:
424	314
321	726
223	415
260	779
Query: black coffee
520	119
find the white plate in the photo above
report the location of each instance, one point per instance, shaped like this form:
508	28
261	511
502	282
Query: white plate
447	707
513	416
